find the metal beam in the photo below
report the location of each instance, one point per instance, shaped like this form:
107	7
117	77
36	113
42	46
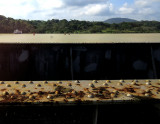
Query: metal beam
82	92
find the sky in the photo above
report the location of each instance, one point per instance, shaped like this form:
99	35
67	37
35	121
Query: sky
90	10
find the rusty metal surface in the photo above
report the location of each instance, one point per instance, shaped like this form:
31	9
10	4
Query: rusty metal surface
82	91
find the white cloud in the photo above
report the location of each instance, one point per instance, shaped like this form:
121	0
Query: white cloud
145	11
96	9
16	8
82	2
49	4
145	3
140	10
125	9
141	3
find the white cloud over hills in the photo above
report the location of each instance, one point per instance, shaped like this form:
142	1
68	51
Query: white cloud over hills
92	10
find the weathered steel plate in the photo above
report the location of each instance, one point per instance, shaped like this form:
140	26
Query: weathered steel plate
83	91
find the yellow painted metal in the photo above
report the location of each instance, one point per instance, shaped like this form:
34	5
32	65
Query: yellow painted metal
81	38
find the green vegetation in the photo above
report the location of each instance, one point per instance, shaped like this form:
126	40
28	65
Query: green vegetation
8	25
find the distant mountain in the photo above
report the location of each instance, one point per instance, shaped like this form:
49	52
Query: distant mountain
119	20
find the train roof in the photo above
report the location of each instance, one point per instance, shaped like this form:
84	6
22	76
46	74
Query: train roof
80	38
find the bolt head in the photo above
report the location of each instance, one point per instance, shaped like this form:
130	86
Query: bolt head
23	93
30	82
90	96
23	86
5	93
31	97
54	85
16	82
8	85
69	84
147	90
91	85
77	81
38	85
148	83
119	84
13	97
74	92
95	81
113	95
108	81
121	81
59	82
2	82
56	92
115	91
129	95
105	84
45	82
147	94
133	83
50	96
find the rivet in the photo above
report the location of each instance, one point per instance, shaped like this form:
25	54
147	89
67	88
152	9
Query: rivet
54	85
121	81
115	91
95	81
23	93
23	85
129	95
16	82
148	83
105	84
119	84
2	82
133	83
50	96
108	81
8	85
91	85
90	96
147	94
147	90
69	84
59	82
31	97
77	81
38	85
45	82
74	92
30	82
113	95
5	93
13	97
56	92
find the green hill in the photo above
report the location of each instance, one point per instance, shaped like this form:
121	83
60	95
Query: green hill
119	20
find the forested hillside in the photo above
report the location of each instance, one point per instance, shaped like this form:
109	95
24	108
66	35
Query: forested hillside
119	20
8	25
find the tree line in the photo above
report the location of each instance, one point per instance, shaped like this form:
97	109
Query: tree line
8	25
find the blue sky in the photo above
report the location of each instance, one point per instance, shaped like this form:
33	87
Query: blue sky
92	10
